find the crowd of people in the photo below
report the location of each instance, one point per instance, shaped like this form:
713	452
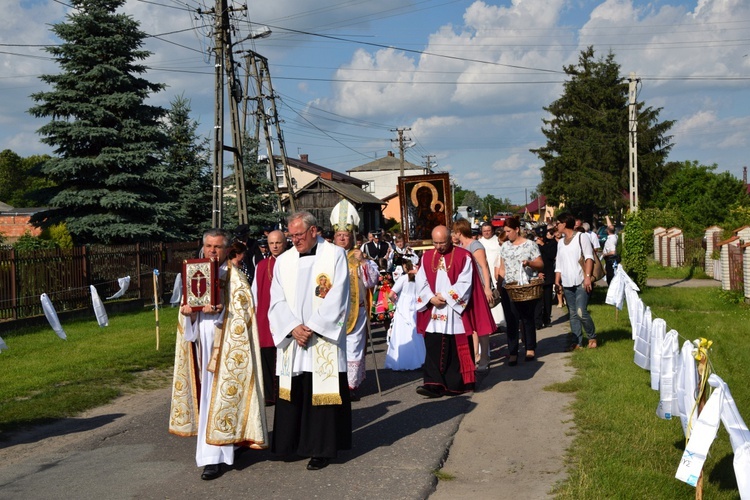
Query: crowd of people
296	307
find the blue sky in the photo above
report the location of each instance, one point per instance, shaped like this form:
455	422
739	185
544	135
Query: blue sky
476	111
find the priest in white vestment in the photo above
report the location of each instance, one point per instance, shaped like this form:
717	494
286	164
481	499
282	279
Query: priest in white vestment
215	396
309	303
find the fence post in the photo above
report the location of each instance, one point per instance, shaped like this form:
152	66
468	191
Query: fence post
138	268
13	281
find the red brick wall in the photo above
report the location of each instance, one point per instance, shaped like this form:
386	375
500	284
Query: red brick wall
13	226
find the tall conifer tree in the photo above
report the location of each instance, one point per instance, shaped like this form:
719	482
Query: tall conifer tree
107	141
586	155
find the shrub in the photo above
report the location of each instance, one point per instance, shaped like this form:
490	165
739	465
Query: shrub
635	248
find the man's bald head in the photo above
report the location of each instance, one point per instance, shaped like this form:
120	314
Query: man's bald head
441	239
276	243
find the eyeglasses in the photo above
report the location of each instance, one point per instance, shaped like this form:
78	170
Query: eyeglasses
299	236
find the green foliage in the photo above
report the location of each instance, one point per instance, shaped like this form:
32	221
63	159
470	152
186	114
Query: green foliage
621	449
28	242
586	154
701	197
187	160
47	378
19	178
494	205
636	246
738	216
59	235
260	197
107	140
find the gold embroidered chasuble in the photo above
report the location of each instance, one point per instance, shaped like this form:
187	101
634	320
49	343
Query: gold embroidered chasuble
237	409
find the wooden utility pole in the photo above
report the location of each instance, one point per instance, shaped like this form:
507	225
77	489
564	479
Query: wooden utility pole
428	162
225	63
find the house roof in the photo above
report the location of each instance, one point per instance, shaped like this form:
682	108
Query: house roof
21	211
316	169
387	163
349	191
534	207
4	207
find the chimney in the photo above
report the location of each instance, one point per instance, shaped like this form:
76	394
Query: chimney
390	153
303	158
326	175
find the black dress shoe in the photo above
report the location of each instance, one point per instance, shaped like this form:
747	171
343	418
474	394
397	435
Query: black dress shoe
211	471
430	393
353	395
317	463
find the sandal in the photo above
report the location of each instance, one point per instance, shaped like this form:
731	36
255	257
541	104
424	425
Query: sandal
530	355
574	347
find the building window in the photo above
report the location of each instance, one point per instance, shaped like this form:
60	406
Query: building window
370	187
280	177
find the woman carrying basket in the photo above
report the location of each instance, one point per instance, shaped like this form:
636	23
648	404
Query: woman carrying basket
519	255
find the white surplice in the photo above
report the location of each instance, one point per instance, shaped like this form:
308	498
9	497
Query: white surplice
446	319
642	344
325	321
406	350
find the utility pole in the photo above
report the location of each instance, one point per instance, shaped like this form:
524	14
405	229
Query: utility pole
428	162
633	140
225	62
258	69
401	146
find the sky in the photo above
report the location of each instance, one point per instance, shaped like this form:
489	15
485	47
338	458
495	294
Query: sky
469	79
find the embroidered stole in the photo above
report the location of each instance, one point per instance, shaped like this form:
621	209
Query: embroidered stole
354	298
325	369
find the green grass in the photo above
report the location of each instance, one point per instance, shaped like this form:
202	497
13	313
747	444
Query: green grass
622	449
44	377
656	270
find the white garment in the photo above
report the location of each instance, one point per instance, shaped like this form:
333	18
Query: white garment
667	389
324	321
3	345
356	340
610	245
642	344
619	288
594	239
99	311
446	319
406	350
687	385
492	249
635	310
720	406
566	264
202	333
177	291
658	332
51	314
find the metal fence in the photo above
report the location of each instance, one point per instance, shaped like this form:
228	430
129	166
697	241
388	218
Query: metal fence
65	275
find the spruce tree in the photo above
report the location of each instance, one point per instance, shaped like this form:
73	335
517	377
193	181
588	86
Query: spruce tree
188	161
586	155
107	141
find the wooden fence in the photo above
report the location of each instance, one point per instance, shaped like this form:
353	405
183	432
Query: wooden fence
65	275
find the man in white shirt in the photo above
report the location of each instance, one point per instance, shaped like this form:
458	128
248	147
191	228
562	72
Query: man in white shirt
610	253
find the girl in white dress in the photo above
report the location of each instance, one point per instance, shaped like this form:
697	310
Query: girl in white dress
406	350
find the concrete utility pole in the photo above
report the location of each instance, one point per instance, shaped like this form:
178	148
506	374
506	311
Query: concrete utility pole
633	140
401	146
257	68
428	162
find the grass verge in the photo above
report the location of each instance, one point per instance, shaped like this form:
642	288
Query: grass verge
622	449
656	270
46	378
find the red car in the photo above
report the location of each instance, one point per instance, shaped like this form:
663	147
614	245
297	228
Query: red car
498	220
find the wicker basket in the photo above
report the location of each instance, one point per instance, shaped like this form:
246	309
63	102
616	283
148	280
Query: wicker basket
522	293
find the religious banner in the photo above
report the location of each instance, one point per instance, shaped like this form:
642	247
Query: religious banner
200	283
426	202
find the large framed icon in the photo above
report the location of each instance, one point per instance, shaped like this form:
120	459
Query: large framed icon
426	202
200	283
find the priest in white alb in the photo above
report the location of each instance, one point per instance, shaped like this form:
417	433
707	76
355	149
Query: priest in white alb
217	387
308	312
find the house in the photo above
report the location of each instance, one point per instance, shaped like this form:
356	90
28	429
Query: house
381	178
14	222
321	194
537	210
